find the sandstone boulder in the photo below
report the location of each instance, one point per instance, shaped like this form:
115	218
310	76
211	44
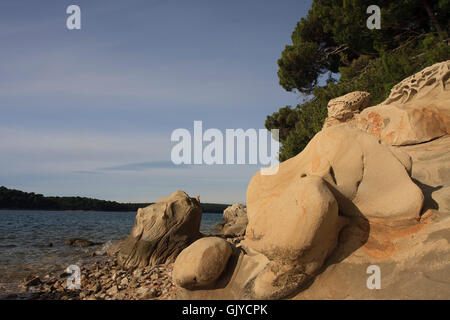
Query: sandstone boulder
233	212
417	110
235	228
296	232
202	263
344	108
305	215
366	178
161	231
234	221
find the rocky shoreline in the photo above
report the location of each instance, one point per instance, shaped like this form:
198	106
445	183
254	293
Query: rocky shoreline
102	280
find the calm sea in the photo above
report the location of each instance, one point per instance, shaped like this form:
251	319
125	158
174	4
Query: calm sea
25	237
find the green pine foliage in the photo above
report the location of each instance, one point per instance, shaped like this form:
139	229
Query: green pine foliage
333	38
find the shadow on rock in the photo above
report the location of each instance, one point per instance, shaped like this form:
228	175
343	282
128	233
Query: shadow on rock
427	190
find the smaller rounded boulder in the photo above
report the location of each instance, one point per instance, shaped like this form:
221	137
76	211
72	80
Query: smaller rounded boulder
202	263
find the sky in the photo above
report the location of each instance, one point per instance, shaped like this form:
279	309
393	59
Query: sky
90	112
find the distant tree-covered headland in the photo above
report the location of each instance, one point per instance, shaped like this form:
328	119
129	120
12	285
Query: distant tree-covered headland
16	199
333	52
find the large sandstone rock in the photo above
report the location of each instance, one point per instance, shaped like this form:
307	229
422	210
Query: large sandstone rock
354	197
161	231
365	176
413	260
295	216
201	264
296	232
413	263
417	110
305	215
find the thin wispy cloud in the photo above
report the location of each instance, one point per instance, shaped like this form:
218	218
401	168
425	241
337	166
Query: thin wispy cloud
144	166
90	112
87	172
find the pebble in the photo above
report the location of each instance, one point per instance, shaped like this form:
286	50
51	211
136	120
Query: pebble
124	282
112	291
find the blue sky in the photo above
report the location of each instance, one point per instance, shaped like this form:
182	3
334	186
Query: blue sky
90	112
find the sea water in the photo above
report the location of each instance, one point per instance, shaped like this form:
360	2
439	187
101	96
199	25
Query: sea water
32	242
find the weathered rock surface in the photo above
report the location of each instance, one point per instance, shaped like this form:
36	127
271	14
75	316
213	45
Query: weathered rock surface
201	264
366	178
349	201
235	228
431	171
417	110
344	108
295	216
297	239
233	212
413	262
234	221
161	231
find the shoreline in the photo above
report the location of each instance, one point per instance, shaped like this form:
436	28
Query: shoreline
57	255
65	211
102	279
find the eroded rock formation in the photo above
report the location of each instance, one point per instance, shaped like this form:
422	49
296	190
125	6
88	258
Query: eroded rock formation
234	221
297	239
366	178
344	108
359	194
160	232
416	111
